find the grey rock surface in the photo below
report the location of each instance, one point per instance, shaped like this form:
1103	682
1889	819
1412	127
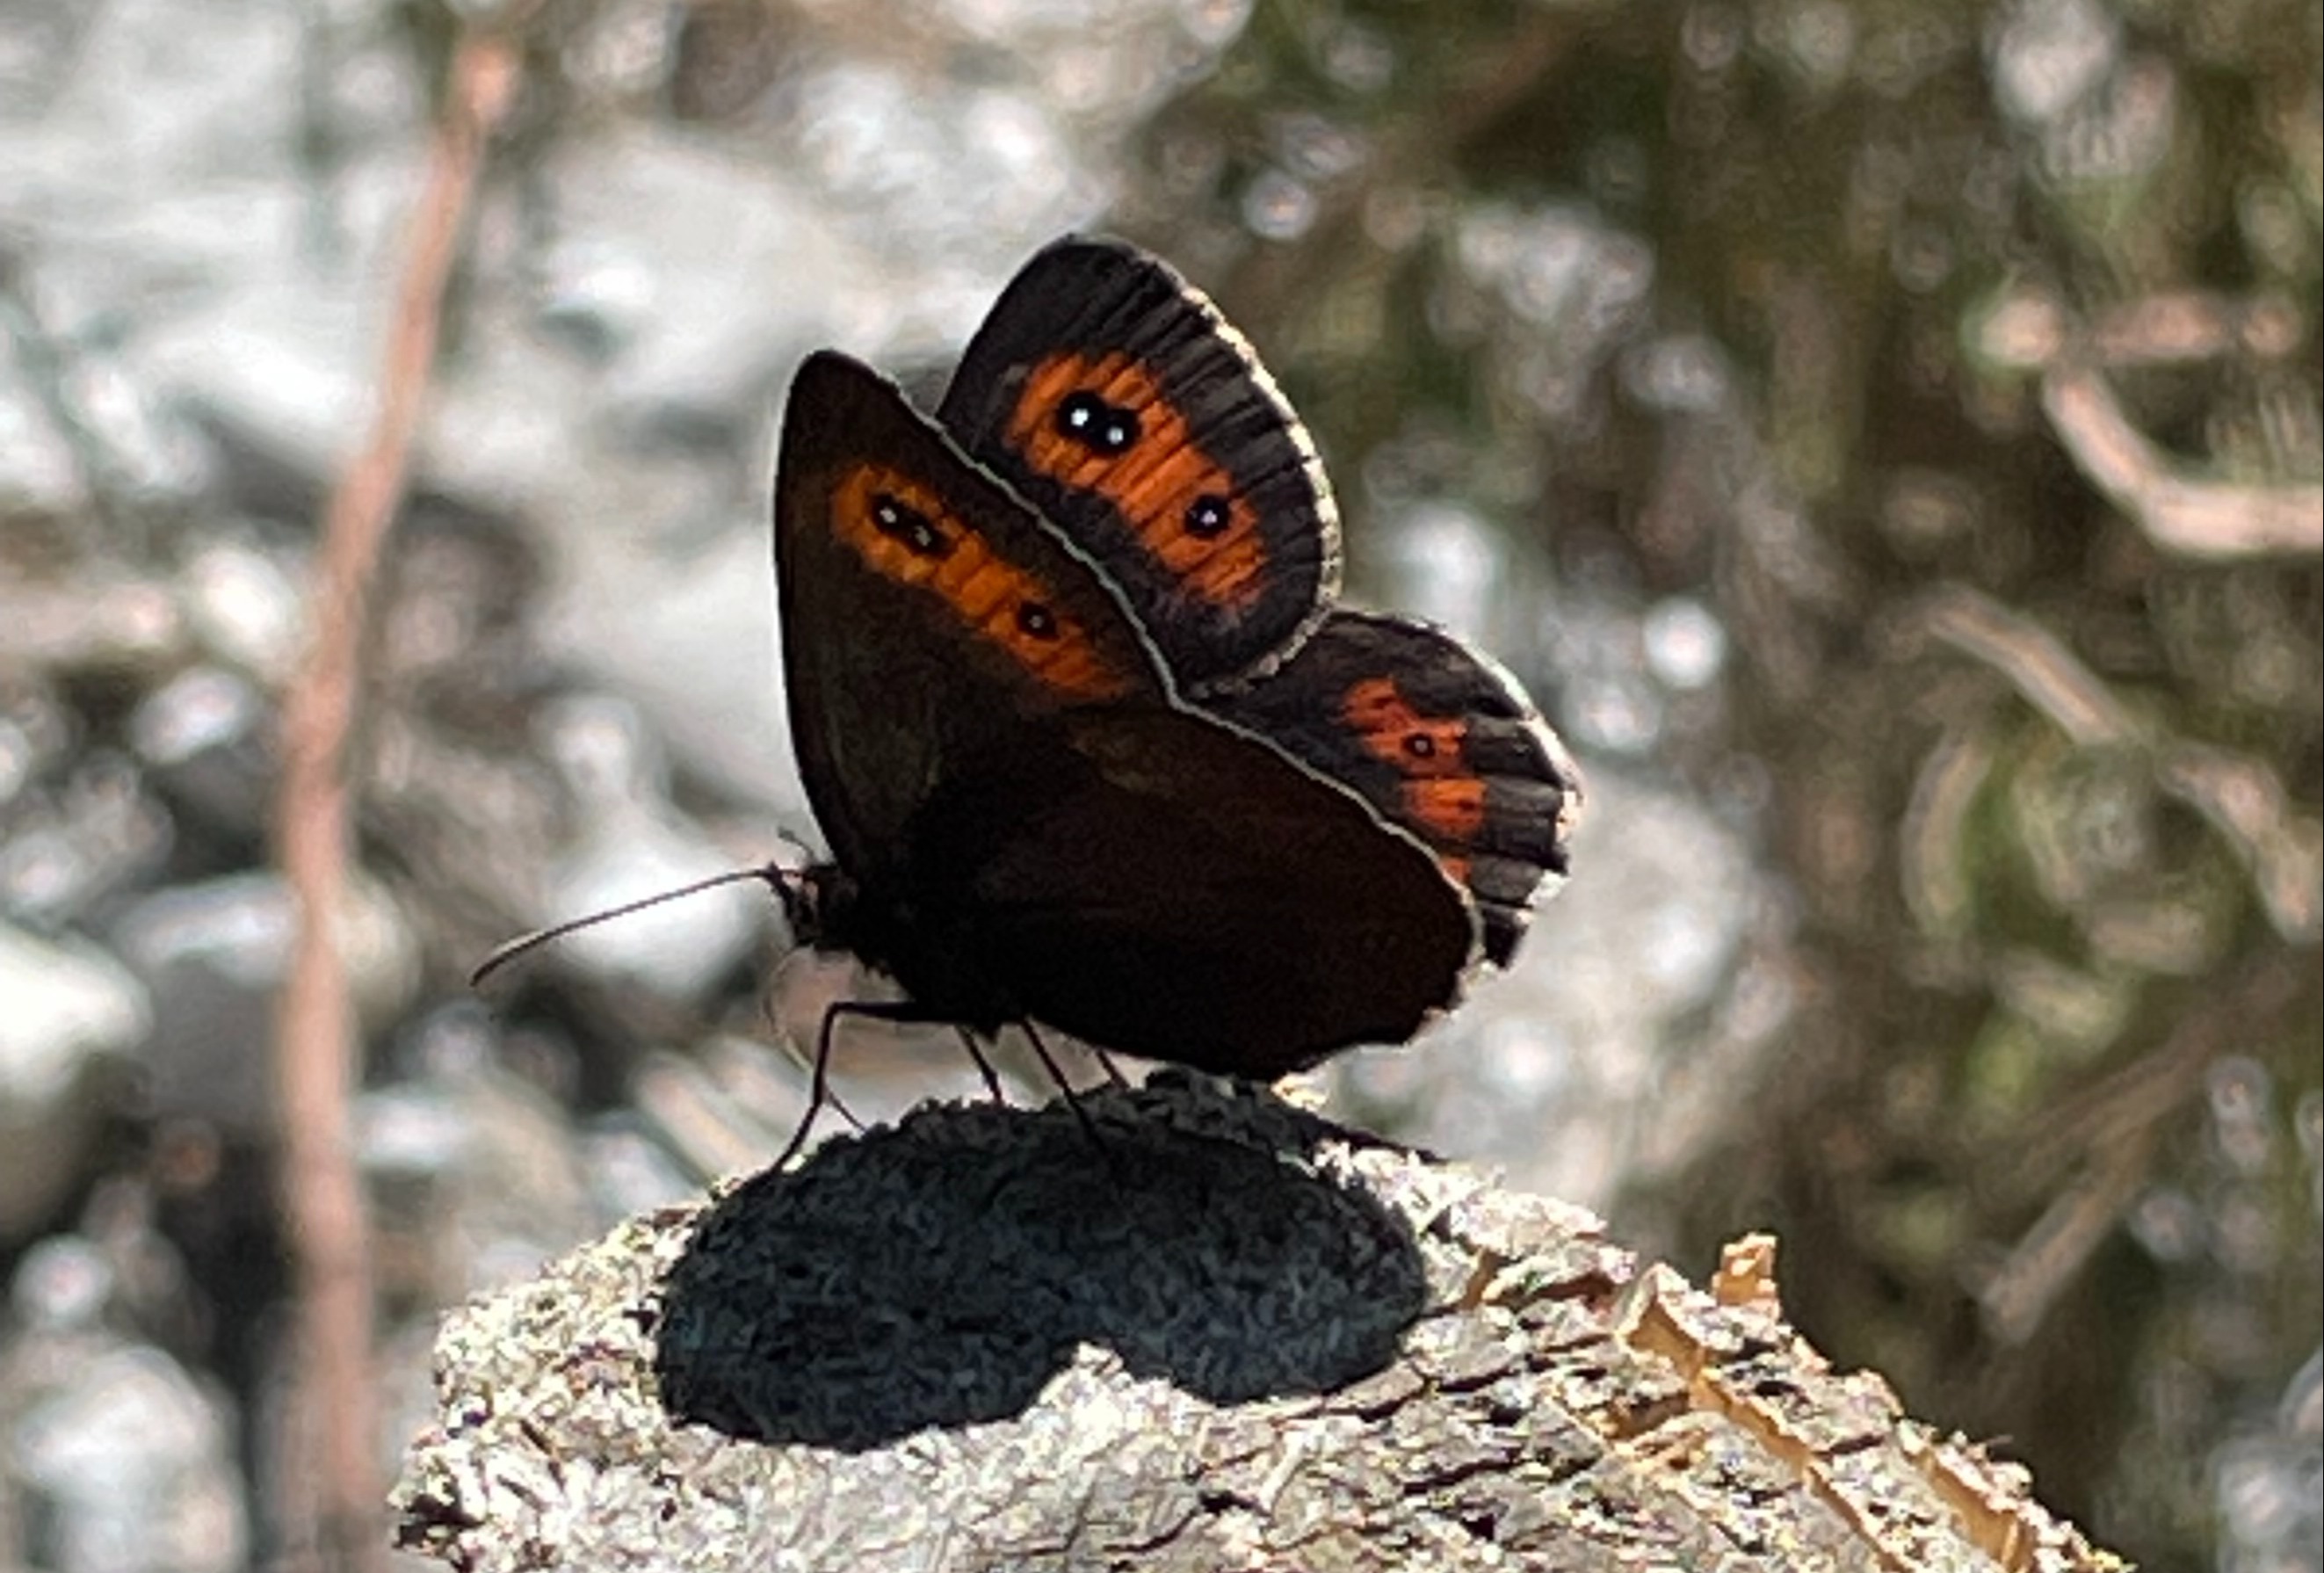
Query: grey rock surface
66	1010
114	1456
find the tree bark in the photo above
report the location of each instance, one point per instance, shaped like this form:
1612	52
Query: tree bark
1228	1333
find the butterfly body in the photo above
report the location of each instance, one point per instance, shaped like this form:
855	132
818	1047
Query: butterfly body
1091	742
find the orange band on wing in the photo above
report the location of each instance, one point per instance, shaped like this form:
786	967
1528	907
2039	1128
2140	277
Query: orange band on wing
1451	807
903	531
1392	730
1441	796
1182	504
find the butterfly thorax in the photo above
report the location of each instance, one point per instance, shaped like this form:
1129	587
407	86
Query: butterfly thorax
830	909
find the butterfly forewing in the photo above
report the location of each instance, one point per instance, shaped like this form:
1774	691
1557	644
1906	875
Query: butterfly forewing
928	619
1111	395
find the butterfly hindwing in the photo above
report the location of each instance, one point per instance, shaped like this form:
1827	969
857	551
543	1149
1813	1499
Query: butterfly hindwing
1114	397
1188	894
1439	741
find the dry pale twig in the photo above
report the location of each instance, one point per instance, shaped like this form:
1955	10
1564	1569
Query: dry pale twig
2107	1136
2241	797
2196	518
2035	661
315	1031
2180	511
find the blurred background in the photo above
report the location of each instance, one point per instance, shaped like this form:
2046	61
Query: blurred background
1886	438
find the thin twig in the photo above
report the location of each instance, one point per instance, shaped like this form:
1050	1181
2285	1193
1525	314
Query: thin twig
2049	676
2109	1133
315	1046
2210	520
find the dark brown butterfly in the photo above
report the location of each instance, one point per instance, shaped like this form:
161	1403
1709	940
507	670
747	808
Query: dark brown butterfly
1089	737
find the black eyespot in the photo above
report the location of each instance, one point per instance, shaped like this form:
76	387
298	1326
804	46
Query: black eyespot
1096	425
1207	516
1036	620
1420	746
899	520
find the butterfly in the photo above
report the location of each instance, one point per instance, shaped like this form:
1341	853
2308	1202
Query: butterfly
1092	740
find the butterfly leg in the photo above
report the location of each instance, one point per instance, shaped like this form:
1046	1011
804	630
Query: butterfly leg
819	1093
1057	1074
983	1066
840	1109
791	1051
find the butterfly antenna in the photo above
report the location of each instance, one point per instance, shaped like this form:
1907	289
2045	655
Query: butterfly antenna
773	873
